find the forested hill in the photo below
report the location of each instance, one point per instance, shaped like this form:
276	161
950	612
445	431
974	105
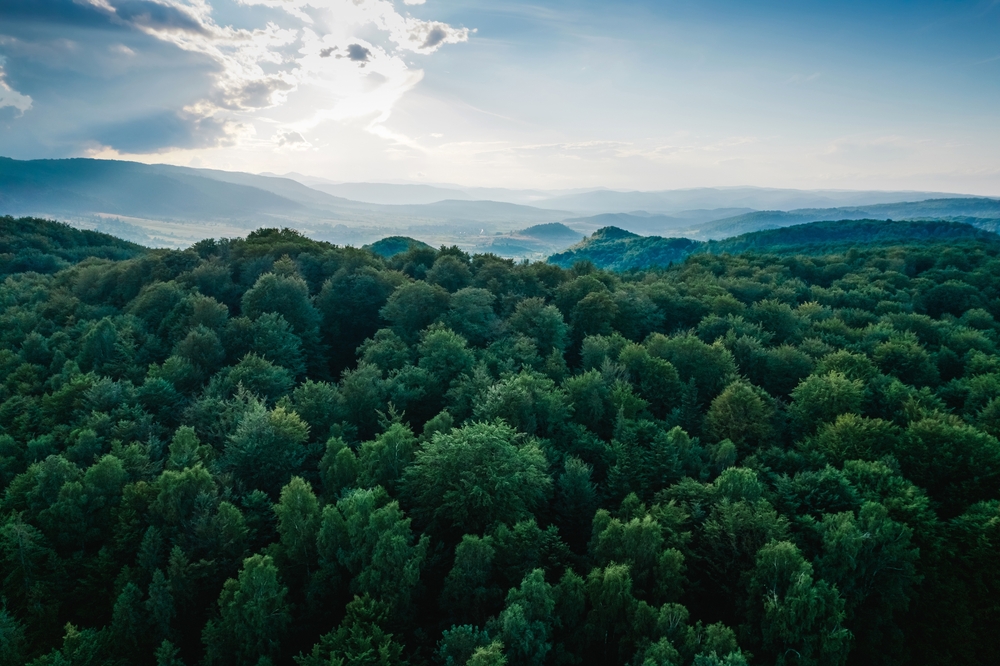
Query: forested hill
276	451
940	209
44	246
826	237
615	249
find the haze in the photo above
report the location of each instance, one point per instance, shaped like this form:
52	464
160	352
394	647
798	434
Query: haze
554	95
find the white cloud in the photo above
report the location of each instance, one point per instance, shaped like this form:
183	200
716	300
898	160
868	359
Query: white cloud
9	96
314	47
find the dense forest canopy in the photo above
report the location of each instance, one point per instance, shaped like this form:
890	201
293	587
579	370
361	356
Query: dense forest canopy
273	450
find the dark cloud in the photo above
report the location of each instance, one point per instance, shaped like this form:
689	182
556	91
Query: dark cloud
435	37
162	131
157	16
127	14
327	52
358	53
53	12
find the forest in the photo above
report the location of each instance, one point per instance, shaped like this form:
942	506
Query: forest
274	451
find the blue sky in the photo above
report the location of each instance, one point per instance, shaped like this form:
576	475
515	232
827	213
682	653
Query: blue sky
643	95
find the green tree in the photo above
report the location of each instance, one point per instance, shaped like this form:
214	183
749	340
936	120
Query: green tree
469	594
741	415
475	476
413	307
797	619
266	449
253	616
711	367
525	623
822	398
542	323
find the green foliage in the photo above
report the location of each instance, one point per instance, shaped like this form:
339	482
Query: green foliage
474	477
267	447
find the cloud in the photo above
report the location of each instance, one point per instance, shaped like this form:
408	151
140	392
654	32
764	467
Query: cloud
358	53
164	131
347	57
10	97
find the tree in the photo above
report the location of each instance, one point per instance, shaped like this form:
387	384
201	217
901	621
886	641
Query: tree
253	616
821	398
655	569
286	295
258	376
576	501
471	315
449	272
381	462
527	401
711	367
458	644
525	623
541	323
468	594
298	523
475	476
370	538
741	415
266	449
799	618
871	560
413	307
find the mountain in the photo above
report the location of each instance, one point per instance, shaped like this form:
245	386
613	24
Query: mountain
642	222
190	200
671	202
617	249
474	211
386	193
952	208
76	186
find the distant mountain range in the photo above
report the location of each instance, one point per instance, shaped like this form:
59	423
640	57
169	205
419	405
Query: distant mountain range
616	249
963	207
163	205
671	202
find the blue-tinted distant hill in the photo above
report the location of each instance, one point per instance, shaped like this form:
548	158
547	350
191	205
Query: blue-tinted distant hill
79	187
671	202
952	208
616	249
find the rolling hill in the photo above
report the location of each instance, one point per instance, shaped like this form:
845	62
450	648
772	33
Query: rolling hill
616	249
951	208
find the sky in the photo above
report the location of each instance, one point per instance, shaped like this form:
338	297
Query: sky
630	94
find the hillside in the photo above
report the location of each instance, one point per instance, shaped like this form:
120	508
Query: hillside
616	249
974	207
44	246
828	237
393	245
76	186
231	202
